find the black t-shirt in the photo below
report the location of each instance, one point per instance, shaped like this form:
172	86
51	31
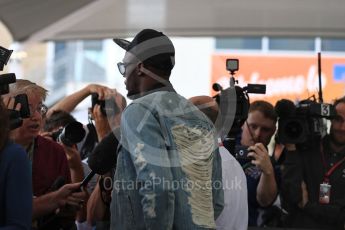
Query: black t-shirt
310	166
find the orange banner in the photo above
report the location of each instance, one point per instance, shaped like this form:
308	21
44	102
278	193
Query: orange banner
291	77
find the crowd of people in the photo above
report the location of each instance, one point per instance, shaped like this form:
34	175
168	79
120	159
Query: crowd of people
171	168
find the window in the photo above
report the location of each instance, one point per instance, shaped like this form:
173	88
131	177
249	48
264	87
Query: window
302	44
330	44
247	43
93	45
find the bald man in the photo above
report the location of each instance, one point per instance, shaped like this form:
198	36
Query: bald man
235	212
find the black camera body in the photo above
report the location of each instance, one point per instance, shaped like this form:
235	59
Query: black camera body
241	153
24	102
16	118
234	105
5	79
108	106
71	134
303	123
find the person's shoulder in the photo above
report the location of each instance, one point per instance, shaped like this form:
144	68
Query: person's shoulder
40	140
13	151
45	143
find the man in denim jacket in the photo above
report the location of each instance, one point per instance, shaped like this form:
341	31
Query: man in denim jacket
168	173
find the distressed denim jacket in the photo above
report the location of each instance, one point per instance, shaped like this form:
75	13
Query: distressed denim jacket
168	173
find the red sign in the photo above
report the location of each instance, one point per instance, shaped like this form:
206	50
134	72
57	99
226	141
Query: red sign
290	77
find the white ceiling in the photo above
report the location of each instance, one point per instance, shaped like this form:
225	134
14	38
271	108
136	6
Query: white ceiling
37	20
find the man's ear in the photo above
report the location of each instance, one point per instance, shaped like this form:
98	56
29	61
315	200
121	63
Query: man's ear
139	68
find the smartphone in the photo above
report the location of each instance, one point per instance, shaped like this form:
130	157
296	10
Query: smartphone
24	109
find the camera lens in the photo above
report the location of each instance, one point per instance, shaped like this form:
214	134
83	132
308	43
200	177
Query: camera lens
55	135
73	133
293	129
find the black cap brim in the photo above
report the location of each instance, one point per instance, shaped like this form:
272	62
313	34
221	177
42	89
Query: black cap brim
124	44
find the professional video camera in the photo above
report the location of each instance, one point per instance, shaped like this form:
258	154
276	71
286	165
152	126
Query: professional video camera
303	124
233	106
6	79
71	134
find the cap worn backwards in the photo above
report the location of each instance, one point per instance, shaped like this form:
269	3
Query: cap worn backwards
152	48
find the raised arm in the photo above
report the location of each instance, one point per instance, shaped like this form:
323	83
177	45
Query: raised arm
69	103
267	189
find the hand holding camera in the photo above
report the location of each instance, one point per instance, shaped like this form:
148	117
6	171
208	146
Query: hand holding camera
103	92
261	158
104	112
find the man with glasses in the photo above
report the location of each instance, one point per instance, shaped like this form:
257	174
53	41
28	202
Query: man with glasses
169	158
47	158
257	132
313	179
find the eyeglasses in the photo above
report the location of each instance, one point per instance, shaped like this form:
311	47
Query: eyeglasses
41	108
122	67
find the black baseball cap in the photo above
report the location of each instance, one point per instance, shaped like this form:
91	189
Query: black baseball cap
152	48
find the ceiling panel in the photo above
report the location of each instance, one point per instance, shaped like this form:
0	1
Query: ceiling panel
85	19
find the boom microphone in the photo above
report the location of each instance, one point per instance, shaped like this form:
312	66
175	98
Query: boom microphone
103	158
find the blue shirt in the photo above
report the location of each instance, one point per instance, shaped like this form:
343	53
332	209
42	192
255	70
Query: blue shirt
15	188
257	213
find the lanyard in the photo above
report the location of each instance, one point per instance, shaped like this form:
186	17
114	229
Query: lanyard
332	169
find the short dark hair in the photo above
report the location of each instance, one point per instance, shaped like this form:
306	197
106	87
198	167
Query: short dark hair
265	108
339	100
59	118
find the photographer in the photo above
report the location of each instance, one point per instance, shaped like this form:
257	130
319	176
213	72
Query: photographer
47	159
98	212
313	185
53	127
103	126
15	178
260	173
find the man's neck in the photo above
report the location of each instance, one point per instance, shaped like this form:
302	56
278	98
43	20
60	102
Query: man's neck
337	148
25	144
156	88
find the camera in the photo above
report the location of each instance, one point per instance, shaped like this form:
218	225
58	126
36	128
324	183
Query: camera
24	102
5	55
16	118
234	101
108	106
302	123
5	79
233	105
71	134
241	153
